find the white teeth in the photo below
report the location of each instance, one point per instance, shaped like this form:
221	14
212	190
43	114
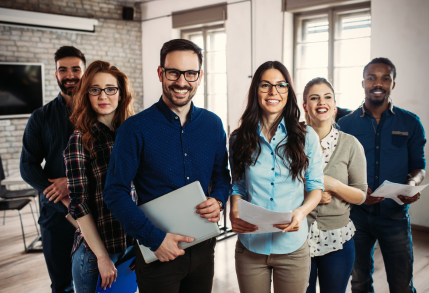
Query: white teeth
181	91
272	101
322	110
377	92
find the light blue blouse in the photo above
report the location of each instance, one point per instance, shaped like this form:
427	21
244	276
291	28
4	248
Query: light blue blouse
268	185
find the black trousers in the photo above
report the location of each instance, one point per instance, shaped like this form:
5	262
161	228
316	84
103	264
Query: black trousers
57	247
188	273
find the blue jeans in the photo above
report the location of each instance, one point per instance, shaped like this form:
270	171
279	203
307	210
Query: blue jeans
333	269
393	232
85	268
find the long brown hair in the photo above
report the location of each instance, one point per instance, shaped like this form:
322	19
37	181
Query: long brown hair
84	117
247	140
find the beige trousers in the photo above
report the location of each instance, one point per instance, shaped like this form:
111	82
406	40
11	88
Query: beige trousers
290	272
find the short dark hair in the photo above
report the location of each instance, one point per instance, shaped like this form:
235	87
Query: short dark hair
180	45
69	51
381	60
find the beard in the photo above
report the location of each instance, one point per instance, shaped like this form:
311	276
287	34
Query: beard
168	93
377	102
67	90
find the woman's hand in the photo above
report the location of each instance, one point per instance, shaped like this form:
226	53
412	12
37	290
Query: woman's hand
330	183
297	216
107	271
326	197
240	226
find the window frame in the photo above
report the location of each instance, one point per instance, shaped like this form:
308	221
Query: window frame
333	22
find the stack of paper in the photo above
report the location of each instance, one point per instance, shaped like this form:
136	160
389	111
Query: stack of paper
391	190
263	218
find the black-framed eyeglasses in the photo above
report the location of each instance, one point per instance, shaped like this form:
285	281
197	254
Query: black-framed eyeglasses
174	74
265	87
110	91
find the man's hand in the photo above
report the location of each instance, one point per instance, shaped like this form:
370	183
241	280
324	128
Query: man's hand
409	200
209	209
326	197
107	270
372	200
57	190
297	217
240	226
168	249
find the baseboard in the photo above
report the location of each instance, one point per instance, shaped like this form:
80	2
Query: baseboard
419	228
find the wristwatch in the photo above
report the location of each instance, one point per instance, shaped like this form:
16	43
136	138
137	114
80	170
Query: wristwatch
220	204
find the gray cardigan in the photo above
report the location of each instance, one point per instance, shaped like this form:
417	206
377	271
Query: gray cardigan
348	165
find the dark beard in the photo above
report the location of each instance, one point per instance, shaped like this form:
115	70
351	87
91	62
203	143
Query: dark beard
64	89
377	103
169	95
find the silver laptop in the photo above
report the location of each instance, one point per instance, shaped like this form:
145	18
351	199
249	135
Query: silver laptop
174	213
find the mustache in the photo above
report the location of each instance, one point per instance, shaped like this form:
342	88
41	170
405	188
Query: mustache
377	89
67	80
175	87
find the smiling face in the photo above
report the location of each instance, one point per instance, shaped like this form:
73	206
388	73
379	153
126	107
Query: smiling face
69	72
104	105
180	92
320	104
378	83
272	103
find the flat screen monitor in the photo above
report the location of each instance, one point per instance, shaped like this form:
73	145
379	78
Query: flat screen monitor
21	89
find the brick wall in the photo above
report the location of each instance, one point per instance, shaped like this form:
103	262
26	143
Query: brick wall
116	41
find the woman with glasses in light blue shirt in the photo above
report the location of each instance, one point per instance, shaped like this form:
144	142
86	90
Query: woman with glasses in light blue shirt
274	158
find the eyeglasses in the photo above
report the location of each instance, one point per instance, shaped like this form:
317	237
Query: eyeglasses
110	91
265	87
173	74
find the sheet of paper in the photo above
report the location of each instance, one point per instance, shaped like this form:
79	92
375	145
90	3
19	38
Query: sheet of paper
263	218
391	190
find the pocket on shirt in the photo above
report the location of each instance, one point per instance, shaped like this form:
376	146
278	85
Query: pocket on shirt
399	139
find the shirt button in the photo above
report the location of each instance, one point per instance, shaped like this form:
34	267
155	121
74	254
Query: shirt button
272	169
376	163
186	154
272	183
274	138
377	147
271	199
378	133
272	153
176	117
183	131
187	178
376	177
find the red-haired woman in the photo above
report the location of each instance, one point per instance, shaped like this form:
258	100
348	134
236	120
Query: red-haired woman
102	102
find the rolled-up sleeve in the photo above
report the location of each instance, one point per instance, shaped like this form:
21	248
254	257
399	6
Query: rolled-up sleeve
314	173
76	159
416	148
239	186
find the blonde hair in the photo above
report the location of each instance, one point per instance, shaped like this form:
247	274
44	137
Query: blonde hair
308	86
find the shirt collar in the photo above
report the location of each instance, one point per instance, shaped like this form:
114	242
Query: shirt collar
331	137
99	126
170	115
281	126
364	112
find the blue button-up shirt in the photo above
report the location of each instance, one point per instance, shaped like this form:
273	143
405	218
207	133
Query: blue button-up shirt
45	138
159	155
393	149
268	184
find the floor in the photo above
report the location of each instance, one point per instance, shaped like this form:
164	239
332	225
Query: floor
26	272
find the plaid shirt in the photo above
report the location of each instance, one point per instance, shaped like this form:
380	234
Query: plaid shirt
86	174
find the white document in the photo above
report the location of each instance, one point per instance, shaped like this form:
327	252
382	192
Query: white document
263	218
391	190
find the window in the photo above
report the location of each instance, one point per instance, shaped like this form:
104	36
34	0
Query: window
334	44
212	92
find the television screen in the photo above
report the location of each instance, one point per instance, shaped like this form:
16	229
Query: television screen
21	89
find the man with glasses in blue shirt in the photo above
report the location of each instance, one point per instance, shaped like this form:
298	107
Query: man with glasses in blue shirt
394	141
167	146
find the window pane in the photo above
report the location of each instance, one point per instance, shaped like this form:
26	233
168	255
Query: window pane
198	100
352	52
354	26
216	83
216	62
218	105
216	41
197	38
314	30
312	55
305	75
348	87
